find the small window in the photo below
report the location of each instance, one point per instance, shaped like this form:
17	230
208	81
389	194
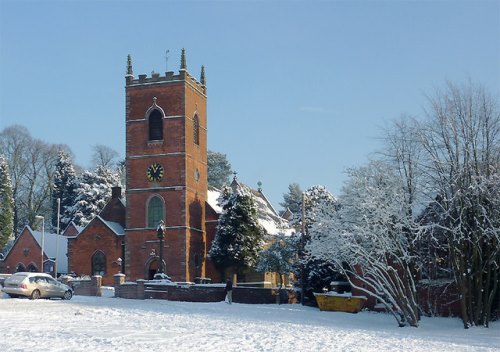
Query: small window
155	126
155	211
98	263
196	130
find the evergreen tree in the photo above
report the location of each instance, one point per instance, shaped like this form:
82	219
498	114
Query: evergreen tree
279	257
315	274
293	199
219	169
239	237
6	205
93	192
64	189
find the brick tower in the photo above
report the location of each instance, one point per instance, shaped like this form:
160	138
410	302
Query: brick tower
166	163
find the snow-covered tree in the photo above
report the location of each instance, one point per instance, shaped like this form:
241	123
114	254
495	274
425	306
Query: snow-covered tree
314	273
293	199
6	205
279	257
239	237
93	192
461	140
368	239
64	188
219	169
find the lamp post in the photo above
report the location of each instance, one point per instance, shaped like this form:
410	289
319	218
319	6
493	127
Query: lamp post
39	217
56	262
160	232
303	231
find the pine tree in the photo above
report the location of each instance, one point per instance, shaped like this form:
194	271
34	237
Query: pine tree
6	205
279	257
93	192
239	237
219	169
315	274
293	199
65	189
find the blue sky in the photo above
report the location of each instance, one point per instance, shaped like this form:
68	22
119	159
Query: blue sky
298	91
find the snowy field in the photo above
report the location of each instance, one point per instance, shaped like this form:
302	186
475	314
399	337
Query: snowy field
114	324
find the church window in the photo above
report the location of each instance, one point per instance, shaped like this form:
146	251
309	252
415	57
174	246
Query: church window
196	130
196	261
20	267
155	126
155	211
98	263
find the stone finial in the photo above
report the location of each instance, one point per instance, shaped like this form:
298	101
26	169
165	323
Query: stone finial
202	76
183	60
129	66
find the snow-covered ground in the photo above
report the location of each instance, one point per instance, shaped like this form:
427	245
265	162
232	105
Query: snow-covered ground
114	324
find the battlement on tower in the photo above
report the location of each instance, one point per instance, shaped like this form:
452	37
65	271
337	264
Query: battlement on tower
156	78
169	77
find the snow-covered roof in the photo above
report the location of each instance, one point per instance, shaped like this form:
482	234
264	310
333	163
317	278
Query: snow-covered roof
53	245
212	197
268	217
114	226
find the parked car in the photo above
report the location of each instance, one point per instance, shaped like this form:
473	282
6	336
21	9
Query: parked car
35	286
161	278
3	277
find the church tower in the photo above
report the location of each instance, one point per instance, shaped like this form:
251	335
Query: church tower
166	165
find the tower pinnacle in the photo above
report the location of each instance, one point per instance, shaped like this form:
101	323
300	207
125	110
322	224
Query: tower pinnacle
129	66
183	60
202	76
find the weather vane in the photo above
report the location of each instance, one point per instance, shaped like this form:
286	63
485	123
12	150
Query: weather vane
166	60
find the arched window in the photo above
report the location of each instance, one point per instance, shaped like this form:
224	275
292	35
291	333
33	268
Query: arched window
155	211
20	267
196	130
99	263
31	268
155	125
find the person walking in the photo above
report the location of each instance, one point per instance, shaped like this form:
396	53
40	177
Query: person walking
229	291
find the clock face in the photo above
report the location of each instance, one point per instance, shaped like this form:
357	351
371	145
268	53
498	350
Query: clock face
155	172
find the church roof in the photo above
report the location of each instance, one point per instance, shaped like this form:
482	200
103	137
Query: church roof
114	226
267	216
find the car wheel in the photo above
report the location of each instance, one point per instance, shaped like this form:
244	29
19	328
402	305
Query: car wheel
67	295
35	294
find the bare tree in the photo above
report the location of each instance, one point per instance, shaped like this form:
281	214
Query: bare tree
462	146
104	156
32	165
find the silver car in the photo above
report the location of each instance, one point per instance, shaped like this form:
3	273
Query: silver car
35	286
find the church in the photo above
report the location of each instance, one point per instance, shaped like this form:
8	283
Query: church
169	219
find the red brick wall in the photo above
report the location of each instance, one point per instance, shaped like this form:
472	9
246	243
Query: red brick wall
96	236
114	211
17	254
442	300
71	230
198	293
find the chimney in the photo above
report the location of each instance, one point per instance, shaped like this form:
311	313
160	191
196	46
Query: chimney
116	192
